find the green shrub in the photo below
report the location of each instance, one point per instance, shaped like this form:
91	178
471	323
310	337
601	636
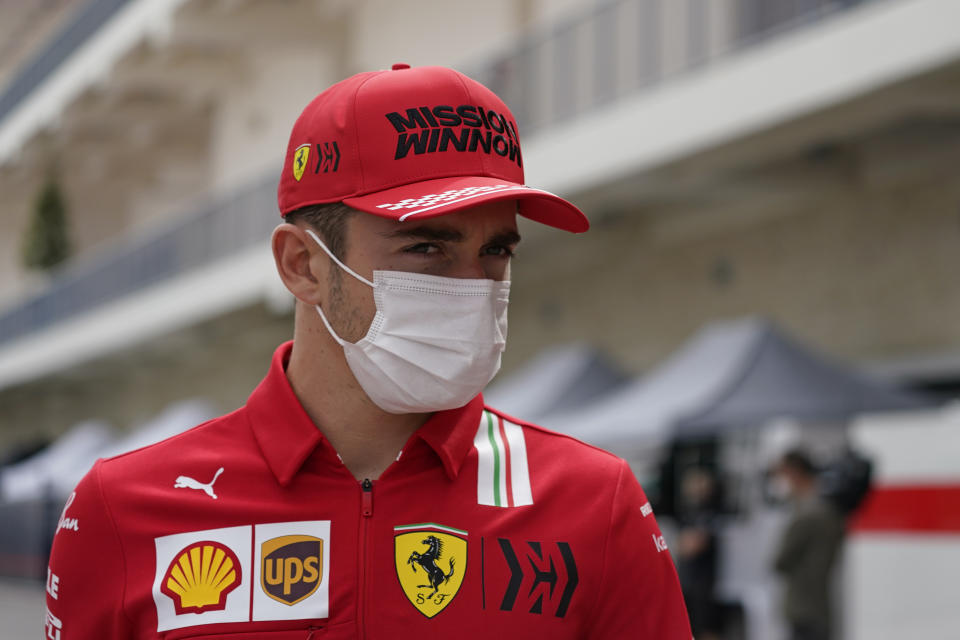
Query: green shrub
47	244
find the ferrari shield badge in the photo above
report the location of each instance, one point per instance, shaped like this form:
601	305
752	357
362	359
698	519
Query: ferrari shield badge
431	562
300	157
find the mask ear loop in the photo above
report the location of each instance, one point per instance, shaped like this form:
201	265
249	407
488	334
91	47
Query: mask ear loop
336	259
356	275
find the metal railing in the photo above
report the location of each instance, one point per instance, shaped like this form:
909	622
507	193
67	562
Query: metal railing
88	20
619	47
615	49
211	233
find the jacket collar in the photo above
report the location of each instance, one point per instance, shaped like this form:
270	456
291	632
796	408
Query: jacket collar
287	436
450	434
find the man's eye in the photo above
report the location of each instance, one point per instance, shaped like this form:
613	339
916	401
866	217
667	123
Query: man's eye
499	250
426	248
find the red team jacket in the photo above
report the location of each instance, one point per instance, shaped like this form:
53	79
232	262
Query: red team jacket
250	527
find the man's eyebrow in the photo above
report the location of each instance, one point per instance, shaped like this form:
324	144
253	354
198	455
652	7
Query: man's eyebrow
444	234
505	237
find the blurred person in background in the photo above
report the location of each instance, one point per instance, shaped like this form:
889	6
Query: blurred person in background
808	549
365	490
696	554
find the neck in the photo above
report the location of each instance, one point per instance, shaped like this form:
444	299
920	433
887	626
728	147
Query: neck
367	438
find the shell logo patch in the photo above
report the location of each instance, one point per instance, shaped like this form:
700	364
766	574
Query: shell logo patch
431	561
201	576
300	157
292	566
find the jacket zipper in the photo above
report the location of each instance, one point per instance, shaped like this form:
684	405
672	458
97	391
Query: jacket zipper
366	511
367	505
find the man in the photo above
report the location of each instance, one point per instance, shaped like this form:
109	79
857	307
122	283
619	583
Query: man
696	550
808	550
365	491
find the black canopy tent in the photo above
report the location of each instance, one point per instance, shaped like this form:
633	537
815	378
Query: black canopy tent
558	380
782	378
728	376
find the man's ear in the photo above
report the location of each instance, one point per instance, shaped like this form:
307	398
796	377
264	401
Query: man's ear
303	271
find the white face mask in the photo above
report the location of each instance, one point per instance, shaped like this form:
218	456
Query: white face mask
779	488
434	342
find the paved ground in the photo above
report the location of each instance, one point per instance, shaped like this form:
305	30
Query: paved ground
21	609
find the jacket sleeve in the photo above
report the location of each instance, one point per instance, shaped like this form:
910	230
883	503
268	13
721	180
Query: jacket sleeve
85	578
640	595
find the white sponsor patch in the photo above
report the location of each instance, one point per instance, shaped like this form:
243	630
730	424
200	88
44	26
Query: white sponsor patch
646	509
203	577
291	580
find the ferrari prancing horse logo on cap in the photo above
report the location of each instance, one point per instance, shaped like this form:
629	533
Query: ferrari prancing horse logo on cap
300	157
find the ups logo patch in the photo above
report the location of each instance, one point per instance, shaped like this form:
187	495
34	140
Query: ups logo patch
291	568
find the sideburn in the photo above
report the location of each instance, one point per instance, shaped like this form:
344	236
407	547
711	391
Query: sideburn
343	317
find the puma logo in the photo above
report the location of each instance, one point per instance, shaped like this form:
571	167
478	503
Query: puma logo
186	482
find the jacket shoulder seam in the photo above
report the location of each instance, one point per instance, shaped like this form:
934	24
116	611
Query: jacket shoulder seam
550	432
177	436
609	533
98	475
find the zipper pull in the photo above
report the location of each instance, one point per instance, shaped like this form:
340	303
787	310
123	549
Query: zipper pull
367	502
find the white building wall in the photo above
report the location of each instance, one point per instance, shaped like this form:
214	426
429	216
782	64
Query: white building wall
429	32
252	119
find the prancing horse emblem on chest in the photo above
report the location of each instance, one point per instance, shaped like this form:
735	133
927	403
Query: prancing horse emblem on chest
431	561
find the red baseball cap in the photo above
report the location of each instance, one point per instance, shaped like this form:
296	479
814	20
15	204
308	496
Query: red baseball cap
412	144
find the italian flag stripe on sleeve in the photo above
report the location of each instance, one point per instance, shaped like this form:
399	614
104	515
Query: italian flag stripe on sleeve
503	478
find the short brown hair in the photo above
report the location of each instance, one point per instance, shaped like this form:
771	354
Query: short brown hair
798	460
330	222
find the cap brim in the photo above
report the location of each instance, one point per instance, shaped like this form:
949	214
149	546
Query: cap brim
432	198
